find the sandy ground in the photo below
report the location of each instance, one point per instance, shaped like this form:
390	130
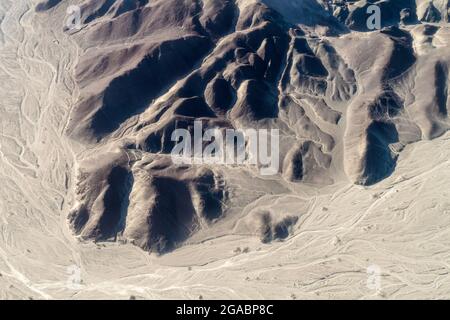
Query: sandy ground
391	240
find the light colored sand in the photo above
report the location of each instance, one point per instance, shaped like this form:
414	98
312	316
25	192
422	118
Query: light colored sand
401	226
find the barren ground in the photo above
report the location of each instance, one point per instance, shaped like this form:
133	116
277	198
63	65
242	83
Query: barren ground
401	225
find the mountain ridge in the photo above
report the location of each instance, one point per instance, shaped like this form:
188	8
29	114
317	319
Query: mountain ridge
340	94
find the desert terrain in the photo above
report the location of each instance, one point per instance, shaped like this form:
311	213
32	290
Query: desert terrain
92	208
